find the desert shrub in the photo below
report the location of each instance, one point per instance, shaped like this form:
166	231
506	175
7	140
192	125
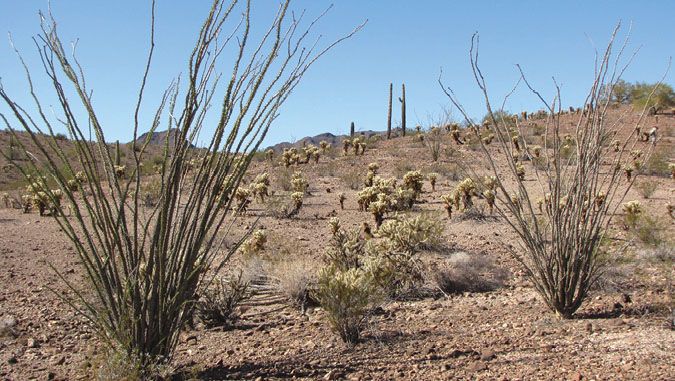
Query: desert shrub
280	206
296	280
282	178
647	188
144	297
568	230
219	303
352	178
433	140
464	272
346	296
657	164
632	212
401	167
649	230
151	192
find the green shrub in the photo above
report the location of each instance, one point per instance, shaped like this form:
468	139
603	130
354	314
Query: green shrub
347	296
657	164
647	188
649	230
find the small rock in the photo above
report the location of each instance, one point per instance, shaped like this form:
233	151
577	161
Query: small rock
487	355
577	377
589	327
59	360
332	375
32	343
477	367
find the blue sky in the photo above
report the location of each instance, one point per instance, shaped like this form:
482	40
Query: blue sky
404	41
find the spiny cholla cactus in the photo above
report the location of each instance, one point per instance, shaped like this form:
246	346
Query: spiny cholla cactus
629	172
616	145
269	153
516	142
299	183
490	182
448	201
346	143
456	136
600	199
633	210
325	146
356	142
487	140
489	196
241	195
120	171
379	208
254	244
465	190
536	151
433	176
6	199
520	171
341	198
373	167
297	198
287	158
27	202
260	186
370	178
413	180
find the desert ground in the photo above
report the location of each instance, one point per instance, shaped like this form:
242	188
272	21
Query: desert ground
622	331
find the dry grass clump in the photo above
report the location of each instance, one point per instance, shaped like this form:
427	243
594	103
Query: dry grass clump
219	303
296	280
464	272
646	188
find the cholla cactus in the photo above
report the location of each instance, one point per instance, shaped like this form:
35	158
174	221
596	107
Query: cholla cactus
242	197
540	204
260	186
520	171
73	185
269	153
80	177
6	199
334	224
362	146
600	200
373	167
342	198
516	142
536	151
629	172
254	244
356	144
433	176
370	178
487	140
633	210
325	146
402	199
490	182
490	199
413	181
456	134
448	201
41	201
465	190
515	200
616	145
27	202
346	143
120	171
299	183
379	208
297	198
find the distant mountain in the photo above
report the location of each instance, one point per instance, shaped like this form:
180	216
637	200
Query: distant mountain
159	137
333	140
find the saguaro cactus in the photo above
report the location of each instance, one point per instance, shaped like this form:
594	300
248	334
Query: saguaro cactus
402	100
351	130
391	90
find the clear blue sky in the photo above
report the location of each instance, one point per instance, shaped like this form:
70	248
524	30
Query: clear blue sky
404	41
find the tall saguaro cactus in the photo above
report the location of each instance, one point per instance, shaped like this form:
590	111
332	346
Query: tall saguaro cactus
351	130
391	90
118	158
402	100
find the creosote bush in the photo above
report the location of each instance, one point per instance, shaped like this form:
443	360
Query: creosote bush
146	268
464	272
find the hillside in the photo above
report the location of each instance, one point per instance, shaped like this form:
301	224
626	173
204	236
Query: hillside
502	332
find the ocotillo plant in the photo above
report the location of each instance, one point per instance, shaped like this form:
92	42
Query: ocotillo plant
560	252
144	269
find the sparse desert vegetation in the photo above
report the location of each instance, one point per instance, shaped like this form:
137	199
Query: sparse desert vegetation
534	245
